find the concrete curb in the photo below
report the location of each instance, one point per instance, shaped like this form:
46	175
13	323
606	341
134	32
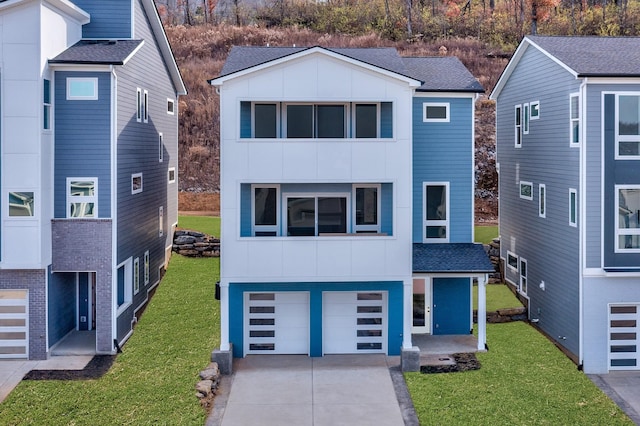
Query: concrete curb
404	398
600	382
220	401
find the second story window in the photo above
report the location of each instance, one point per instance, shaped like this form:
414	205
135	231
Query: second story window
82	197
628	127
316	215
46	113
435	112
518	126
82	89
265	211
628	218
574	111
367	208
436	213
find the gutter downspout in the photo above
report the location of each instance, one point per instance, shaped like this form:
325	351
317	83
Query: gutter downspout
114	211
581	217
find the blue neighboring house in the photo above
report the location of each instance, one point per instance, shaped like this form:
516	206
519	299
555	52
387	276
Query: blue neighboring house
88	188
568	143
347	184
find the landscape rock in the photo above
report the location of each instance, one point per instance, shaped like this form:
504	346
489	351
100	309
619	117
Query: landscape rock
195	244
204	387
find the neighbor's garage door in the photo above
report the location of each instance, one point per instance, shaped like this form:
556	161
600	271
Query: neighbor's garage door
14	323
277	323
354	322
624	337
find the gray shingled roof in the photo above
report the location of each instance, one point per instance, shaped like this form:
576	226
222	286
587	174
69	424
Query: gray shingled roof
442	73
437	73
450	257
595	56
110	52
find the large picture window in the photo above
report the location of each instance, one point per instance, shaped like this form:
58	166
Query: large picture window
436	212
82	197
628	127
315	121
316	215
628	218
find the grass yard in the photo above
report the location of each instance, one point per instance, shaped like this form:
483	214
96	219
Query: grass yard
207	224
498	296
524	379
485	233
152	381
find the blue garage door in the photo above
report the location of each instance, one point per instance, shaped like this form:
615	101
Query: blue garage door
451	306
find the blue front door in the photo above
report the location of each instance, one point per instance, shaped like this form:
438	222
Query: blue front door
451	306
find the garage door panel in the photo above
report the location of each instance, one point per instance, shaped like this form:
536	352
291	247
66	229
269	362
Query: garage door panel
14	336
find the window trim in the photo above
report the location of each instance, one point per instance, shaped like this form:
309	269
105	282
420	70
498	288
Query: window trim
160	147
446	223
265	228
618	234
128	285
278	119
145	108
573	207
537	116
136	275
146	267
169	171
315	196
575	120
525	118
34	210
135	190
516	268
521	276
425	107
367	228
171	106
71	80
82	198
623	138
542	200
46	104
524	183
517	123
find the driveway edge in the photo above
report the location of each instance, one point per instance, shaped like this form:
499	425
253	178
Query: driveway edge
404	398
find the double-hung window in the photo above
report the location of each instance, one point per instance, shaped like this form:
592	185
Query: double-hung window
628	127
265	210
313	215
523	276
628	218
436	212
574	121
82	197
518	126
525	119
367	208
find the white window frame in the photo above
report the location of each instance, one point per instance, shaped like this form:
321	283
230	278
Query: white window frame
517	127
171	106
627	231
46	110
135	190
517	259
316	195
265	228
136	275
73	199
145	107
139	105
71	80
575	120
542	200
128	285
525	118
33	210
367	228
160	147
624	138
160	221
573	204
445	223
425	107
146	267
172	170
537	106
524	183
523	277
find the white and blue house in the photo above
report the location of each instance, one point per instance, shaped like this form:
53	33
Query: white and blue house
347	184
88	170
568	147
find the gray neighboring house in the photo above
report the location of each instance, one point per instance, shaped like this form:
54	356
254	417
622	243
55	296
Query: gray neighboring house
88	188
568	151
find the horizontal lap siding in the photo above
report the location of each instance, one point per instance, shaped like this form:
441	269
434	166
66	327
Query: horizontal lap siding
550	245
109	19
443	152
83	141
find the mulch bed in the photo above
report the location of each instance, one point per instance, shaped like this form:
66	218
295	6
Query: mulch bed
95	369
464	362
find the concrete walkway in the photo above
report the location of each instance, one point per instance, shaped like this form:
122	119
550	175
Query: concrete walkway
623	387
12	371
299	390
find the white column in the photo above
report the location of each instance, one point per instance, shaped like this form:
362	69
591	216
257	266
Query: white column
408	314
482	312
224	316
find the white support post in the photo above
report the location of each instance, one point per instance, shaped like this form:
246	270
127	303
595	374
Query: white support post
408	314
224	316
482	312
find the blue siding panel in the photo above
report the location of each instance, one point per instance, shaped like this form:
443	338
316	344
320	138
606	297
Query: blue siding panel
245	119
83	140
395	309
245	210
109	19
61	305
386	120
443	152
386	214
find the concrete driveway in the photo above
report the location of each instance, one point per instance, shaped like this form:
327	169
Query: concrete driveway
299	390
623	387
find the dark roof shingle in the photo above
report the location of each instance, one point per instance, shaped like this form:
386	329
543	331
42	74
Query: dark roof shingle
450	257
442	73
594	56
108	52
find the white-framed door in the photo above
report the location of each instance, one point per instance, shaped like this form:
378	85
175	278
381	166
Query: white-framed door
421	306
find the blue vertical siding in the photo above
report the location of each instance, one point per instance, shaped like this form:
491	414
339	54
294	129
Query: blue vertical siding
245	210
82	140
386	214
386	120
109	19
245	119
443	152
394	313
61	305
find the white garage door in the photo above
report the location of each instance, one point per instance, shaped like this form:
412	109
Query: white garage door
277	323
624	337
14	322
354	322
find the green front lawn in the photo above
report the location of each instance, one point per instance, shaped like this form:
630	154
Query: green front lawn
152	381
524	380
499	296
485	233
